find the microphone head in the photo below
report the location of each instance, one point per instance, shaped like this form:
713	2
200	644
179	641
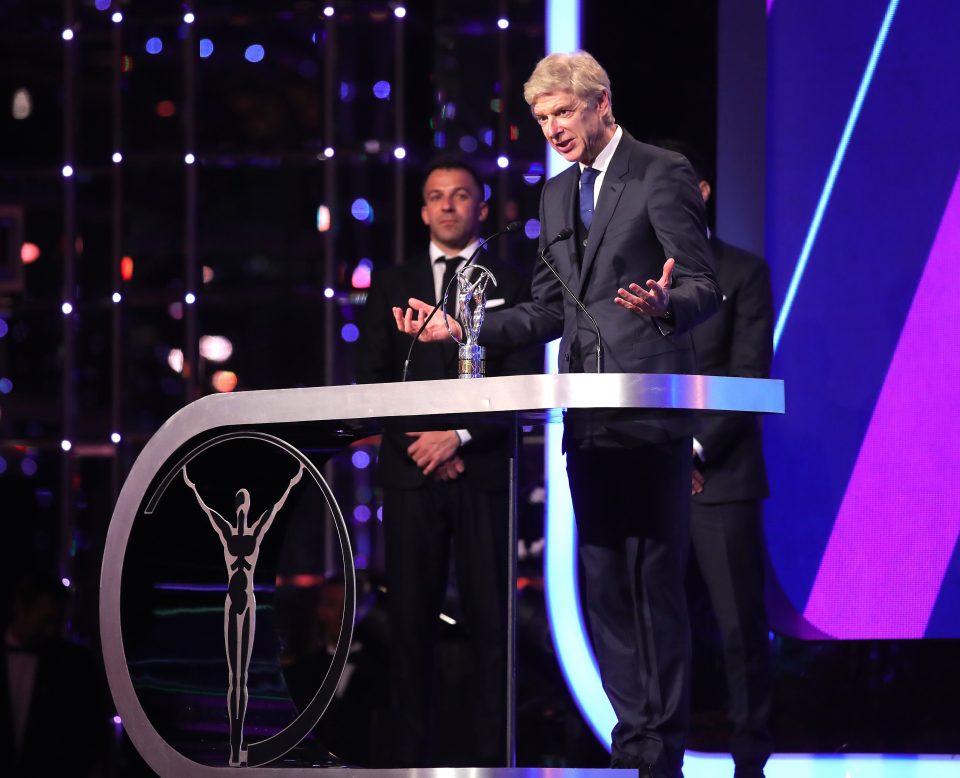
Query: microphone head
565	233
513	227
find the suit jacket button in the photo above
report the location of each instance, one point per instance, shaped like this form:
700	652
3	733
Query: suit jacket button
584	242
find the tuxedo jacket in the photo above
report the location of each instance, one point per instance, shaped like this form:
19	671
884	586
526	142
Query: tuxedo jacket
67	724
737	341
383	348
649	208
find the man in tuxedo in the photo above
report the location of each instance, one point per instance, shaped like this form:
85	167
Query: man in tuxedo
443	488
53	704
636	215
729	484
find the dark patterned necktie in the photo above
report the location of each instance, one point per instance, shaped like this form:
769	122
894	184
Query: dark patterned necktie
587	179
450	268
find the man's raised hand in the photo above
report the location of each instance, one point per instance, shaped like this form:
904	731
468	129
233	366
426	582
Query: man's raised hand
411	321
656	302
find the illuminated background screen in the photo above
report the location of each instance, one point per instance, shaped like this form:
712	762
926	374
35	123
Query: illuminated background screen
863	238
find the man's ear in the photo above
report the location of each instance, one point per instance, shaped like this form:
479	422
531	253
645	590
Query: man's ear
484	211
424	214
603	103
705	191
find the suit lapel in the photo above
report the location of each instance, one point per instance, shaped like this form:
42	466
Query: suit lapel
610	192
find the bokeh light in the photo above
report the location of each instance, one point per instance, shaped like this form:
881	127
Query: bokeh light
534	173
323	218
224	381
22	104
175	360
206	48
532	228
360	459
29	253
215	348
350	333
360	278
154	46
381	90
254	53
361	210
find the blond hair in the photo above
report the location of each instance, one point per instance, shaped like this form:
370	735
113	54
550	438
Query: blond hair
577	72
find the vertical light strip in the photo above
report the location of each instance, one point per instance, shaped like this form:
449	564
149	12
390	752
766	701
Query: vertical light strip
832	175
574	653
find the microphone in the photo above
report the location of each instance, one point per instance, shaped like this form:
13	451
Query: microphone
511	227
565	233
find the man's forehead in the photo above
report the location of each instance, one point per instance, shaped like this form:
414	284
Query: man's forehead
551	100
449	179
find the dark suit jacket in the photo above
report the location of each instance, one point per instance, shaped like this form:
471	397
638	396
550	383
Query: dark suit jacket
649	209
383	348
67	725
737	341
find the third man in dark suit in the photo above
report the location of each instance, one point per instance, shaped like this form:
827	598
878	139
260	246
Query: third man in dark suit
729	485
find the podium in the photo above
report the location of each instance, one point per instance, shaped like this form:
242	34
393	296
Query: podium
195	535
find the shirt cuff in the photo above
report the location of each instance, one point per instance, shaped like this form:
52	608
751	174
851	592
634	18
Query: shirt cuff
465	437
698	450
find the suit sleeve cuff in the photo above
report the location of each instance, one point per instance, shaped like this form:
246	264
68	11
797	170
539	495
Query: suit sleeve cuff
698	450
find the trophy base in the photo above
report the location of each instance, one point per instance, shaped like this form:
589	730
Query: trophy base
472	362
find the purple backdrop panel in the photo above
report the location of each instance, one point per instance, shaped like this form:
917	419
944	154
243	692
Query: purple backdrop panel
899	520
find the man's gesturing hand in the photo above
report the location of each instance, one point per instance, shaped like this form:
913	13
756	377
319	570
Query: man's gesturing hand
432	449
411	324
656	302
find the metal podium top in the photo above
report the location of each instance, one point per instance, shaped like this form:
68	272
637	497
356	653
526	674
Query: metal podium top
362	407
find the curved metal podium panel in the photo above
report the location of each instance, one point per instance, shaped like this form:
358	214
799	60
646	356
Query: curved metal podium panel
343	412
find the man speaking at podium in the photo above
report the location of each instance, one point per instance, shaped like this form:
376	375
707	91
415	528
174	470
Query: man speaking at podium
444	491
625	214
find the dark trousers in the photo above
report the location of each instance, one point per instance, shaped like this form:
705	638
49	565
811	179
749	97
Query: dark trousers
421	527
633	510
728	545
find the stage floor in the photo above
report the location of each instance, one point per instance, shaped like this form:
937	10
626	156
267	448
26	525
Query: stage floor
696	766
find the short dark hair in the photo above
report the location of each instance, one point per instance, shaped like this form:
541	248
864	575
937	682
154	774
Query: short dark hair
700	166
452	162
